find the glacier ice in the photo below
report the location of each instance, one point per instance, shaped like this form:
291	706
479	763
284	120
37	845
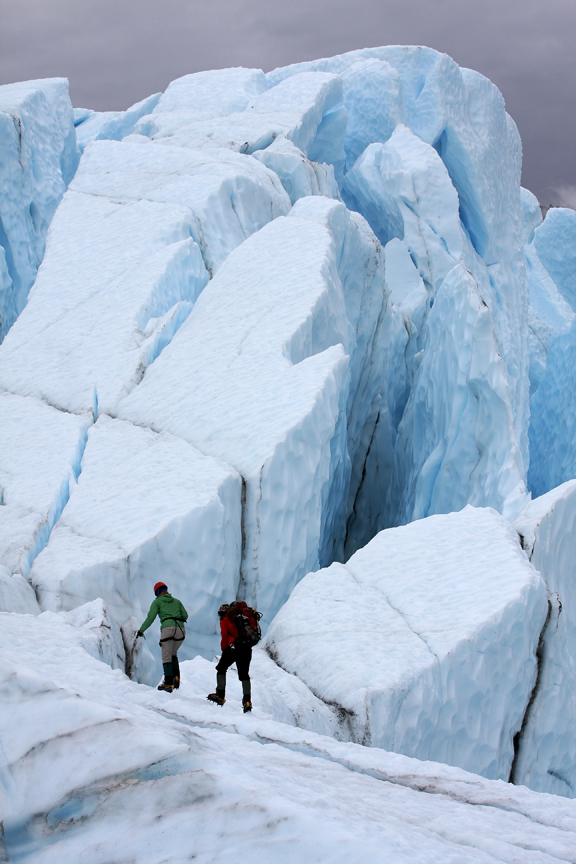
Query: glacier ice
553	420
257	377
213	93
145	225
40	455
39	157
110	125
374	100
16	594
439	402
548	314
299	175
550	262
547	752
555	243
276	399
276	314
425	639
146	508
462	115
309	112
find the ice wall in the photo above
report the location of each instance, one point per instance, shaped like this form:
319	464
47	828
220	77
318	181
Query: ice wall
547	749
39	158
551	261
462	115
258	377
446	383
146	508
425	640
548	314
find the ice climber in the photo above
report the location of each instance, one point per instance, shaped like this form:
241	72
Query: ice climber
173	616
240	631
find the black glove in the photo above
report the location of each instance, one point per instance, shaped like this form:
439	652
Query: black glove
139	633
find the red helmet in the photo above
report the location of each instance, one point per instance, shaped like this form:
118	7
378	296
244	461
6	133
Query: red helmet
159	587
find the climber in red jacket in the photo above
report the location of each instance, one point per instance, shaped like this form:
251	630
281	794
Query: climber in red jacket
240	631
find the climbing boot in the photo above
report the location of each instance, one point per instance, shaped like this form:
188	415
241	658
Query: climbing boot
176	672
246	696
217	697
167	685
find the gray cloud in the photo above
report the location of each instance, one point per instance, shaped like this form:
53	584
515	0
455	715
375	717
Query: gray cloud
115	52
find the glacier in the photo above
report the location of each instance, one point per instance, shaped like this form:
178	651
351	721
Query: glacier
298	338
39	158
146	507
417	639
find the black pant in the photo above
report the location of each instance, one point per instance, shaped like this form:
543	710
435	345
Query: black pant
239	654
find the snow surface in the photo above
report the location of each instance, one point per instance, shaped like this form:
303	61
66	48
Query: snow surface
39	157
100	768
424	640
146	508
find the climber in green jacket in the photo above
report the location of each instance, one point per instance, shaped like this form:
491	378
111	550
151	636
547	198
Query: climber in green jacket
173	615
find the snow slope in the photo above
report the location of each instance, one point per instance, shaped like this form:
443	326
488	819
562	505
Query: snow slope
39	157
102	769
425	639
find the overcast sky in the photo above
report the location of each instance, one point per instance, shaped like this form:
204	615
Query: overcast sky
115	52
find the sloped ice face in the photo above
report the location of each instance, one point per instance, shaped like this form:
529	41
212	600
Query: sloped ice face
39	157
547	753
40	457
426	639
147	508
143	224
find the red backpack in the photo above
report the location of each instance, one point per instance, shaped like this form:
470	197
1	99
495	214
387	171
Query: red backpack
246	620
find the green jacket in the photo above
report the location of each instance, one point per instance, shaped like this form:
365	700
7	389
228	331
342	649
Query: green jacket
170	610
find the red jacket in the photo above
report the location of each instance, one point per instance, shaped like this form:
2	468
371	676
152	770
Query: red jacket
229	632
